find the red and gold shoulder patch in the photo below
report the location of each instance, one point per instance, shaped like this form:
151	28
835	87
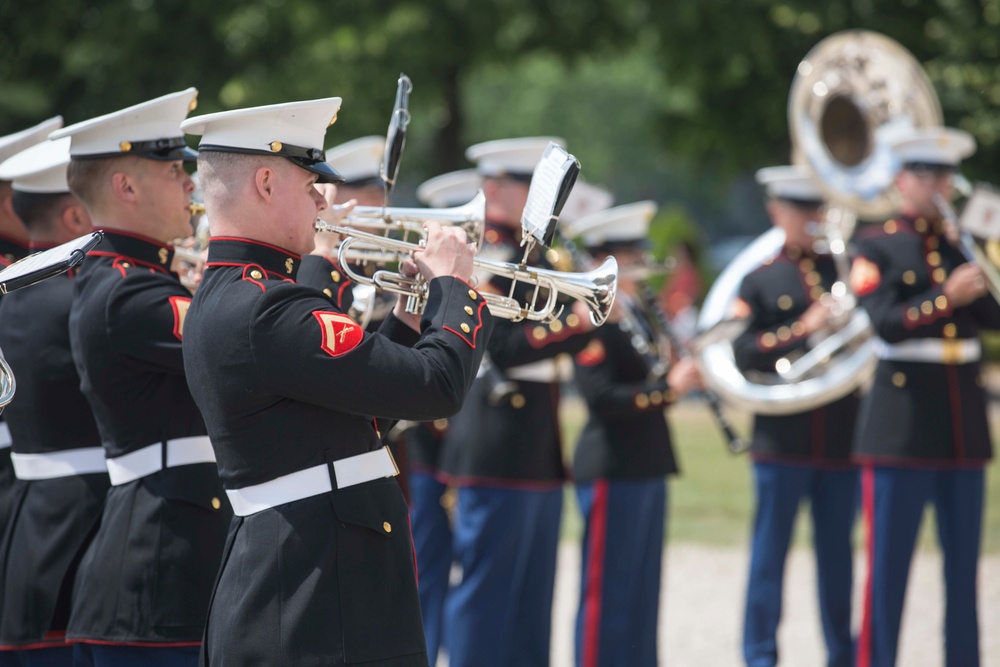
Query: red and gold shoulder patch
341	334
180	304
593	354
865	276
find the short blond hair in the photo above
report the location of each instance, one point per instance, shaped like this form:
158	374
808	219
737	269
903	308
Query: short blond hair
88	179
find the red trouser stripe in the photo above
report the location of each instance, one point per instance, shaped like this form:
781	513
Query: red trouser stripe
595	574
868	508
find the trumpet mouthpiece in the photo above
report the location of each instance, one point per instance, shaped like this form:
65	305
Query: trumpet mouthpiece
197	208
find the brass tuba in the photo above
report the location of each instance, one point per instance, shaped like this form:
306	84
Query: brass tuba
851	94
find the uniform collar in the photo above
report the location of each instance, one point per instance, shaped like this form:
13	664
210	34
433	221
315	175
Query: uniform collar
11	250
233	251
143	249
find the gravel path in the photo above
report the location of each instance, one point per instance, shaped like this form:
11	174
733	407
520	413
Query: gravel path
701	616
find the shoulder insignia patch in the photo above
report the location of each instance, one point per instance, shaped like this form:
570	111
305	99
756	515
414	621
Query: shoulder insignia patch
341	334
180	304
593	354
865	276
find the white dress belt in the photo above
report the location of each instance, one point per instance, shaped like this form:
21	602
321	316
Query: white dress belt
148	460
65	463
541	371
5	440
931	350
312	482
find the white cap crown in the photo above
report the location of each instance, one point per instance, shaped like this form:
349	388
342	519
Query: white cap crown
510	157
358	161
39	169
789	182
933	145
12	144
628	223
452	189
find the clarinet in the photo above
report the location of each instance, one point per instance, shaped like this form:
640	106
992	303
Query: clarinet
736	444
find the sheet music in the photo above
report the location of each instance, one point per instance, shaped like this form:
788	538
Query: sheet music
546	185
43	264
981	215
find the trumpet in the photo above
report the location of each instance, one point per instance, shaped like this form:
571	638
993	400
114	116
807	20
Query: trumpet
471	217
595	288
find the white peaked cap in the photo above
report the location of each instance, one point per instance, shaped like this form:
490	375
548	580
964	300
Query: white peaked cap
583	200
359	160
789	182
452	189
41	168
934	145
294	130
151	130
510	157
12	144
621	224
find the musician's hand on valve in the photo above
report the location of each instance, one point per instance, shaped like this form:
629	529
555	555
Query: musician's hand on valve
685	376
408	269
445	253
816	317
965	284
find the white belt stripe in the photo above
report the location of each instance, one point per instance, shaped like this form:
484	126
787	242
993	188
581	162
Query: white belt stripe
930	350
312	482
5	440
540	371
148	460
65	463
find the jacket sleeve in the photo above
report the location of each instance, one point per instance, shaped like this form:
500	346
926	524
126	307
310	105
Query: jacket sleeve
308	352
520	343
325	275
145	315
609	398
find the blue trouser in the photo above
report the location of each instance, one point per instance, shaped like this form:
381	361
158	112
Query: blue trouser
894	501
833	497
501	612
617	619
99	655
57	656
432	544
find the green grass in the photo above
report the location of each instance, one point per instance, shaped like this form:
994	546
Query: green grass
711	500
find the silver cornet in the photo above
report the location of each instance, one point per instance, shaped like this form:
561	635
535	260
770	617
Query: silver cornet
595	288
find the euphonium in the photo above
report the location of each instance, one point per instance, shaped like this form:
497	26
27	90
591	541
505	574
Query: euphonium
595	288
850	94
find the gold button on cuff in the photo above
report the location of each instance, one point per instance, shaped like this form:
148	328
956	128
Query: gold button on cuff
927	308
328	292
572	320
465	327
538	333
556	326
216	503
641	401
256	275
912	314
941	302
785	302
909	277
899	379
386	526
934	258
950	330
939	275
890	227
468	310
472	294
656	397
335	276
517	401
769	339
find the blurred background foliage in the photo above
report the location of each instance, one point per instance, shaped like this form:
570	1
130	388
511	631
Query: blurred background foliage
677	101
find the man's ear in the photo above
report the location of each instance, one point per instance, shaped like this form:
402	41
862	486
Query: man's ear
75	220
264	181
123	185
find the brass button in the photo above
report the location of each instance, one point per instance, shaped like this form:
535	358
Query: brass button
386	526
798	328
912	314
784	302
468	310
328	292
939	275
769	339
465	327
950	330
899	379
641	401
927	308
275	146
934	258
920	225
890	227
941	302
216	503
784	333
335	276
538	333
256	275
556	326
656	397
472	294
517	401
440	424
909	277
816	293
572	321
812	278
125	146
126	265
807	265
